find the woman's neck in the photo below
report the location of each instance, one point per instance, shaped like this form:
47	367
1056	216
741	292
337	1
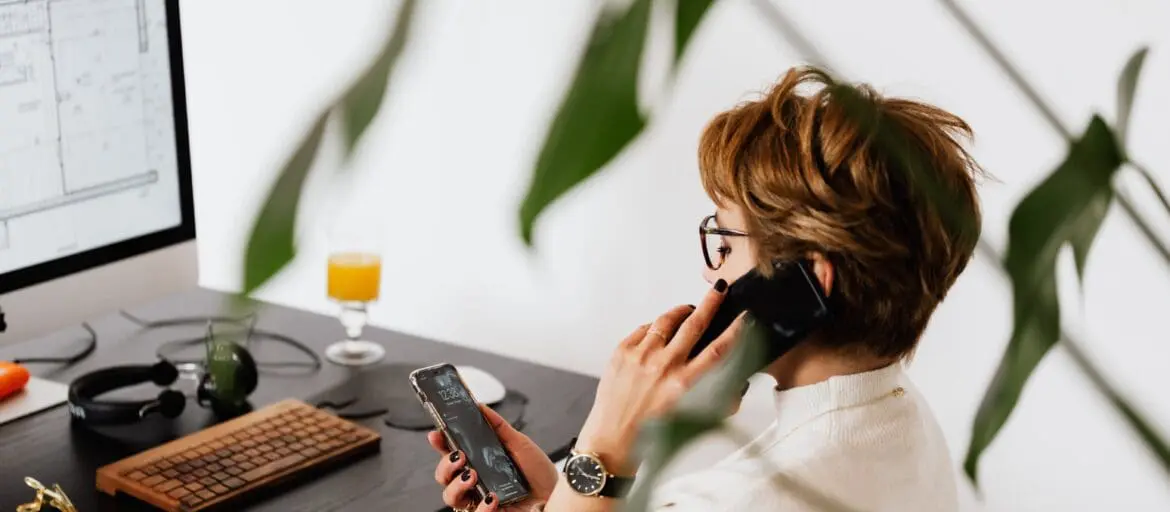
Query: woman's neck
808	364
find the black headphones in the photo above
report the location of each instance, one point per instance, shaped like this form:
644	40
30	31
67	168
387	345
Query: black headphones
224	391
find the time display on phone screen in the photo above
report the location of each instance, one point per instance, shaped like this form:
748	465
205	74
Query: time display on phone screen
472	433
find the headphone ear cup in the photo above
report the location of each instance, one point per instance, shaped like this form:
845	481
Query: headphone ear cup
163	373
171	403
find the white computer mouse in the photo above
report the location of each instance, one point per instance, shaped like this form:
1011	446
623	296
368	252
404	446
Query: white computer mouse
484	387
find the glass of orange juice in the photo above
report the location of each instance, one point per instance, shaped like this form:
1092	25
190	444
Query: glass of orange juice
354	280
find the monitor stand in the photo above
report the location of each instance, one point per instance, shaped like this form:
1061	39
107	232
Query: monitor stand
38	395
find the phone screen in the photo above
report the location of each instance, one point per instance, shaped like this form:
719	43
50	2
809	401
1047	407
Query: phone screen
465	424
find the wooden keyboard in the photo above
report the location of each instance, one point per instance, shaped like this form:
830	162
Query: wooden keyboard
224	463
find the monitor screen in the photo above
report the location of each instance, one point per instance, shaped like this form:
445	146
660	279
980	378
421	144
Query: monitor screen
93	149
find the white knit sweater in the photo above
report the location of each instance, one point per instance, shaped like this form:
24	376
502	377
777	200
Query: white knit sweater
868	441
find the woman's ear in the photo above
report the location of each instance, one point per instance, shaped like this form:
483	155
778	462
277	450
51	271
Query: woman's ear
823	268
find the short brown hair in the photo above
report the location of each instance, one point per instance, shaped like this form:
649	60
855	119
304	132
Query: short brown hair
812	174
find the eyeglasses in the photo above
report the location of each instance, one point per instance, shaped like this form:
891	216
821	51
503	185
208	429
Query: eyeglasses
711	237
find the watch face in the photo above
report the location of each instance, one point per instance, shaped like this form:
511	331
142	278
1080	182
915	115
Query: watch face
585	474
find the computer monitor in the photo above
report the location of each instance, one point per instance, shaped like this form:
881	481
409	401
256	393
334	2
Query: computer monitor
96	209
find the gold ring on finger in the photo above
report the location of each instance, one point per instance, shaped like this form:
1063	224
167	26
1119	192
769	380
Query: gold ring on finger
654	331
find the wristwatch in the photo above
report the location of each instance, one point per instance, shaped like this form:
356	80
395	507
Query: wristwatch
588	477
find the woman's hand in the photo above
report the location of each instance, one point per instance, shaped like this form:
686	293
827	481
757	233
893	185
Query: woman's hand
458	480
647	375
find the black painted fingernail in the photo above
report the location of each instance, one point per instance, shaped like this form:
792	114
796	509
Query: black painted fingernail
454	456
466	475
692	306
720	286
488	499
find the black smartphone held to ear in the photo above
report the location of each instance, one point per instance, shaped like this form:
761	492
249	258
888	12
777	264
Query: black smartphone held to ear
789	305
456	414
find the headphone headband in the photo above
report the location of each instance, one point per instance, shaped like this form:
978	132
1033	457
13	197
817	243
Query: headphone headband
83	405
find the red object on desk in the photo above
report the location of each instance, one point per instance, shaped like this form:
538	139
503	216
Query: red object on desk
13	378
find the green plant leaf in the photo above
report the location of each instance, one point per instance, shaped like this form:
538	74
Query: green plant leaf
1085	226
687	15
271	244
1126	90
598	117
1054	213
364	98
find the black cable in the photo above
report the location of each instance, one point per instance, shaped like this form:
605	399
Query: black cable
166	350
70	360
172	347
173	322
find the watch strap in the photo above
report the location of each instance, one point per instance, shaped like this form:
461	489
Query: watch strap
616	486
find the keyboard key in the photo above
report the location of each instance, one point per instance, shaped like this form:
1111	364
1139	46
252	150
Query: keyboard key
179	493
201	472
206	494
153	481
194	487
234	470
219	489
274	467
192	500
170	473
168	485
136	475
233	483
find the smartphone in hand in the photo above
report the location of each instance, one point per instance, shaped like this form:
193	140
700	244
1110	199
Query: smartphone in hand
789	305
456	414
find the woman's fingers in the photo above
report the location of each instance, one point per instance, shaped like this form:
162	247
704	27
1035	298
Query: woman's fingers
488	504
663	328
449	466
692	329
438	442
457	493
714	353
634	338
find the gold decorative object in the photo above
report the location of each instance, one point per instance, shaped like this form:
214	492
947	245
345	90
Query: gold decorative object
56	496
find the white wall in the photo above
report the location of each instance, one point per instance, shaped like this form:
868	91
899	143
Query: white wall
448	163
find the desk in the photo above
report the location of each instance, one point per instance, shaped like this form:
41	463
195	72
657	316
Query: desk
400	478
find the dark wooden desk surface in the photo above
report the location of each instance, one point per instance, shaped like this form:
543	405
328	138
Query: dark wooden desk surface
48	447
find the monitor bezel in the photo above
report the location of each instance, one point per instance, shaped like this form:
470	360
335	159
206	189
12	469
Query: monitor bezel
185	231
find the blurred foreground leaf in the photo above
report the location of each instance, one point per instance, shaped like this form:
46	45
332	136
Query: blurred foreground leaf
1126	90
364	98
598	117
687	15
272	245
1065	208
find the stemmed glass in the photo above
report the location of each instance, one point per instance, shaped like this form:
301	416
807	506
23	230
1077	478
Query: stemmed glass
354	281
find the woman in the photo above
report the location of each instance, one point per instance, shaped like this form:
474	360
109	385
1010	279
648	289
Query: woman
797	176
